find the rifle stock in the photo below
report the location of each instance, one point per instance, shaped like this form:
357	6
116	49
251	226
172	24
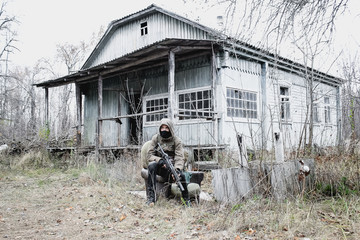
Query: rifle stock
171	167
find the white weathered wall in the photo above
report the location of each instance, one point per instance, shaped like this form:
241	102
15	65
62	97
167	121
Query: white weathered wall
324	134
243	75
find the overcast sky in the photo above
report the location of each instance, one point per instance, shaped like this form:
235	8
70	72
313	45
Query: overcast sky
45	23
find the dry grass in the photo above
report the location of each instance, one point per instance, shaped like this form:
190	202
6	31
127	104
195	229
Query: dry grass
92	202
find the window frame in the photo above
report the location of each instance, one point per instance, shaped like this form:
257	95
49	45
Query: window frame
144	29
316	109
195	91
148	114
327	110
288	97
239	104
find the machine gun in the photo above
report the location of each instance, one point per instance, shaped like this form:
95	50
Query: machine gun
170	166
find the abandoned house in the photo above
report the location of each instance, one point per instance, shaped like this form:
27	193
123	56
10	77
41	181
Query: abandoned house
155	63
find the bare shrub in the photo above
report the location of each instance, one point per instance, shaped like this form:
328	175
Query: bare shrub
29	160
337	175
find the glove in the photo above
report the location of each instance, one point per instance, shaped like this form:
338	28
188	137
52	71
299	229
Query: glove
161	162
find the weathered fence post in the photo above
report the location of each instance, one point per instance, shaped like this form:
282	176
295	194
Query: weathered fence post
279	148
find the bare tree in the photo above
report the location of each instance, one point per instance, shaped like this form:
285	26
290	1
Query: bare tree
24	101
307	25
351	100
71	56
7	46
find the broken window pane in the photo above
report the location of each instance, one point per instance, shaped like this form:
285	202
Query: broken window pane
198	102
153	105
238	107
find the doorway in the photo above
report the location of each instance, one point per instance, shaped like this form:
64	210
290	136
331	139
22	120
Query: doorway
136	124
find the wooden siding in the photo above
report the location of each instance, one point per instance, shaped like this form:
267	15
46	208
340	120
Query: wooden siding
190	74
246	75
244	66
90	115
243	75
110	109
251	132
324	133
127	38
192	133
193	73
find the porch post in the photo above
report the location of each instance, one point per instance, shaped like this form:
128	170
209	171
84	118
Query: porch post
119	114
214	102
263	118
99	116
78	114
47	108
338	116
171	86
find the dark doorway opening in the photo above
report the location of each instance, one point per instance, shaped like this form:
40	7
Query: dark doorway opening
136	122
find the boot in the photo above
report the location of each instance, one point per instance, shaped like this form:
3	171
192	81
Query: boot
150	196
150	202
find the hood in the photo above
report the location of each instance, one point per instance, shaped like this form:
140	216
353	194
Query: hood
169	123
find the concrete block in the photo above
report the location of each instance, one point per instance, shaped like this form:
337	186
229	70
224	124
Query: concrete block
281	180
231	184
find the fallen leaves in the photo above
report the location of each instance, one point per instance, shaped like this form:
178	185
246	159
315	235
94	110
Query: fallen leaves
68	208
123	216
329	218
250	231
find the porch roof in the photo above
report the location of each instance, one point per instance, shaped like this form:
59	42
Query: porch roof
150	56
157	54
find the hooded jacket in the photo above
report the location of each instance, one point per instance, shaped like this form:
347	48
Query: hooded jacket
172	146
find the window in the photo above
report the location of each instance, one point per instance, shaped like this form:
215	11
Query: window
316	115
327	109
143	28
156	105
285	103
241	104
195	105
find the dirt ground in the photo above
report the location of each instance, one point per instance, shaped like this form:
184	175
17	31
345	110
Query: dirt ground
70	205
54	204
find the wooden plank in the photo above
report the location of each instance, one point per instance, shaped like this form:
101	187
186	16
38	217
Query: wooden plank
171	86
78	114
264	125
99	121
132	115
119	125
47	107
214	103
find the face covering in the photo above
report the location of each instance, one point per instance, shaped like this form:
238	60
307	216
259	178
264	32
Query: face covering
165	134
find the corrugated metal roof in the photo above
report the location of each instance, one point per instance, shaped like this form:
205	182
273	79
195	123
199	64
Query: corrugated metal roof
156	53
233	45
141	14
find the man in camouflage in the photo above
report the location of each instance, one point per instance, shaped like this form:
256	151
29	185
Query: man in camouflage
171	145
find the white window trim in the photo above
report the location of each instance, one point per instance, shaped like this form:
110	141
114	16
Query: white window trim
147	98
242	119
147	28
194	120
327	105
288	86
318	108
